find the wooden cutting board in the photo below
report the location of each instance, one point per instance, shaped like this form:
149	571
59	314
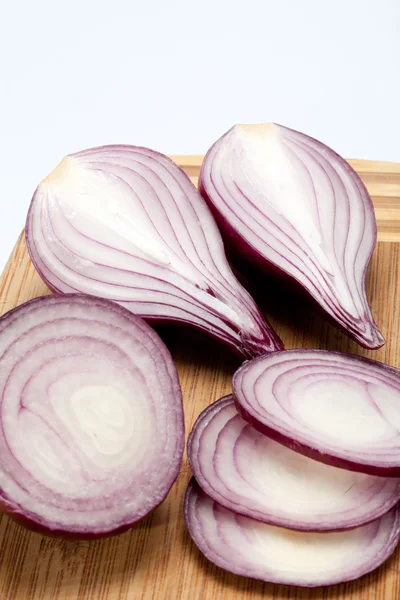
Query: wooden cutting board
156	560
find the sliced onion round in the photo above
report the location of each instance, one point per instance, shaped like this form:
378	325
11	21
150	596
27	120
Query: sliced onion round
337	408
253	549
253	475
91	419
287	200
126	223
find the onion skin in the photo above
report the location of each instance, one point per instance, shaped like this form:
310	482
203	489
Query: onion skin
204	517
35	527
377	464
236	227
74	358
167	263
225	454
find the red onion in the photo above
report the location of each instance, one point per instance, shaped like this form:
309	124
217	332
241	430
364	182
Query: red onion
337	408
248	547
91	419
251	474
289	202
126	223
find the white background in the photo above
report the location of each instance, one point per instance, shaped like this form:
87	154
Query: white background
175	74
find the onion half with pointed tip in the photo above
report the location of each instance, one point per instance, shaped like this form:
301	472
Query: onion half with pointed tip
286	200
91	417
253	549
126	223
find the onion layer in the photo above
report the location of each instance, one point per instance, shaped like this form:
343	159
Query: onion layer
340	409
91	419
126	223
254	549
251	474
287	200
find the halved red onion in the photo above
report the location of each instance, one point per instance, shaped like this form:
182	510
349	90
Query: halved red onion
287	200
251	474
91	419
126	223
340	409
253	549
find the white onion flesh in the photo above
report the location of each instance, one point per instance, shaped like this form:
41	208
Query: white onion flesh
287	200
126	223
253	549
247	472
91	416
337	408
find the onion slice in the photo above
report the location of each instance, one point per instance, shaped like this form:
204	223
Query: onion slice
285	200
251	474
253	549
126	223
91	418
337	408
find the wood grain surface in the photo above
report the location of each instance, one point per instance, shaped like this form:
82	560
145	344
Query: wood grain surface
156	560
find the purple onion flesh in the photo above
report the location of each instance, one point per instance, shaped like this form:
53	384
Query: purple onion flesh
340	409
126	223
254	549
287	201
251	474
91	418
